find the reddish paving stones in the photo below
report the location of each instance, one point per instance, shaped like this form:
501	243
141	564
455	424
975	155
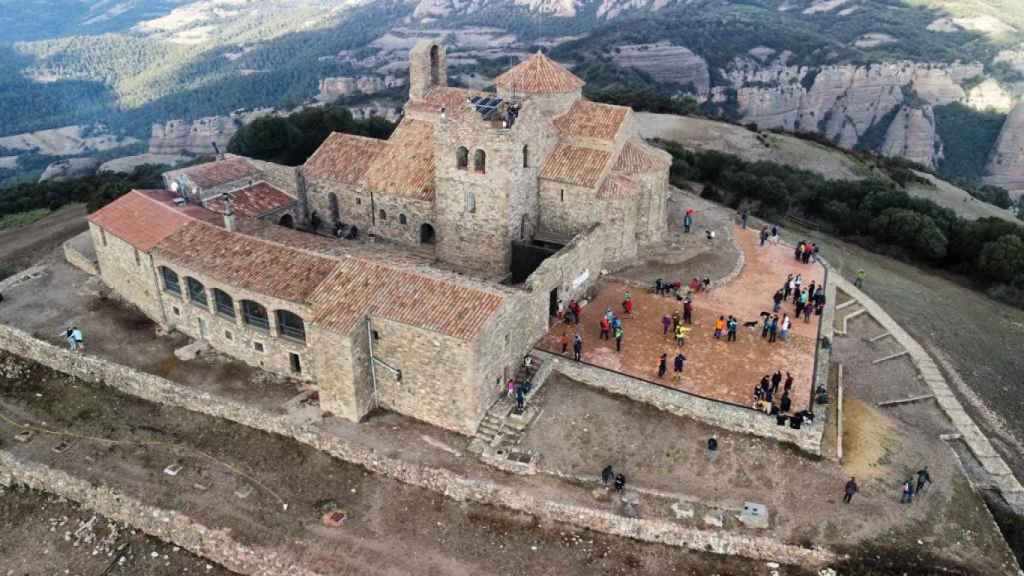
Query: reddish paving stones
725	371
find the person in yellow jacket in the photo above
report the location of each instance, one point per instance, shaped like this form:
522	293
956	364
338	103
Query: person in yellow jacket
681	331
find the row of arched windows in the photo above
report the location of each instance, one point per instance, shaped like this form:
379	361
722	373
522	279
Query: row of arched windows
289	324
480	159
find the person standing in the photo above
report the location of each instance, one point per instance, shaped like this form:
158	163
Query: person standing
787	287
520	399
666	324
743	219
719	327
663	365
678	363
607	475
687	221
777	300
677	319
766	325
850	490
764	234
789	383
731	325
680	335
577	347
907	497
923	478
785	403
618	338
606	328
627	304
859	281
784	332
688	312
76	334
773	329
807	313
776	380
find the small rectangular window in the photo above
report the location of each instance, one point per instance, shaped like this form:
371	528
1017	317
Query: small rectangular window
359	201
103	236
296	363
470	202
561	193
228	335
257	346
137	261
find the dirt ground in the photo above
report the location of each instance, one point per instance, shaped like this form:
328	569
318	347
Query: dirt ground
975	339
22	247
726	371
43	535
392	528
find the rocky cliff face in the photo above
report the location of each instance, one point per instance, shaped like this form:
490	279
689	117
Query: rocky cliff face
843	102
338	87
1006	167
607	9
198	137
667	63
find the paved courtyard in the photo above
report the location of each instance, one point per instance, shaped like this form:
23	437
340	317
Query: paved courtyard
725	371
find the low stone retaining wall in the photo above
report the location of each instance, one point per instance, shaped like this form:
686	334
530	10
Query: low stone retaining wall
720	414
441	480
170	526
77	259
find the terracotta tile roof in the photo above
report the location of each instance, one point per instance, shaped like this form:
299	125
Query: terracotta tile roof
592	120
343	158
639	158
245	262
253	201
219	172
358	288
405	167
140	219
453	100
617	187
539	74
575	165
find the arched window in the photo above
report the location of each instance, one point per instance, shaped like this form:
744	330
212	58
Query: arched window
470	202
382	214
170	280
332	198
196	291
291	326
223	303
254	314
402	219
480	161
462	158
287	221
526	156
435	65
427	235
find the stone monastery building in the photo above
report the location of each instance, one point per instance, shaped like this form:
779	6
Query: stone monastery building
475	219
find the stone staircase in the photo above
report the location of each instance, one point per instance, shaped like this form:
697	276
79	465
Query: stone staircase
501	429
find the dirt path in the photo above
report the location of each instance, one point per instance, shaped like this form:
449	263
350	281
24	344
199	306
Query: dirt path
20	247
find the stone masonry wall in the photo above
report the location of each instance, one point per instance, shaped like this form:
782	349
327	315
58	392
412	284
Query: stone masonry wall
441	480
344	384
438	384
128	272
727	416
79	260
353	202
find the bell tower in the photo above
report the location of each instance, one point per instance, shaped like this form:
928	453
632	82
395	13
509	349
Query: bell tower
428	67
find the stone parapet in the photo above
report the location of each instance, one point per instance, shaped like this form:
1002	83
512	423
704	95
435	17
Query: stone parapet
721	414
444	481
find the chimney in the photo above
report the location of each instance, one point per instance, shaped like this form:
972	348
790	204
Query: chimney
229	214
217	152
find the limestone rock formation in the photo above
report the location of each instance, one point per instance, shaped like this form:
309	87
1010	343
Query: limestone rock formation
1006	166
911	135
337	87
667	63
842	102
197	137
70	168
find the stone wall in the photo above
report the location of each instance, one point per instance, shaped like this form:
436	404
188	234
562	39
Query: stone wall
128	272
441	480
720	414
79	260
214	544
438	385
353	202
389	211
